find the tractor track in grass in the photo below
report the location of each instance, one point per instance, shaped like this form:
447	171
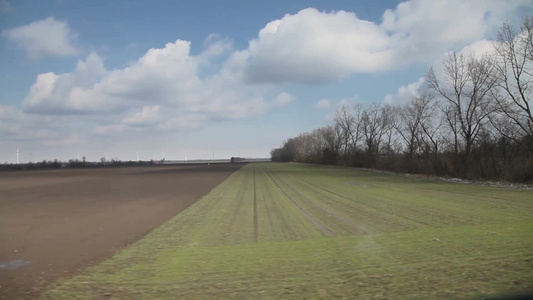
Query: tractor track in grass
323	228
256	221
371	207
329	212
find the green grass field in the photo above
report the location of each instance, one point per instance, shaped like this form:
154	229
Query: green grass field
276	231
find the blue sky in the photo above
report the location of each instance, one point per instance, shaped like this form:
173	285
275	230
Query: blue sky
225	77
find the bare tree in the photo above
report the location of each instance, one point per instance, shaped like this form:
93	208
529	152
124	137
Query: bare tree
346	122
332	135
408	127
514	54
350	122
389	120
372	128
466	87
419	125
430	123
451	121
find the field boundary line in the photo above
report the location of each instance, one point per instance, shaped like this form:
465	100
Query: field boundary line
256	221
327	231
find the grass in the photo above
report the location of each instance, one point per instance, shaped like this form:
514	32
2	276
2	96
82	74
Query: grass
323	232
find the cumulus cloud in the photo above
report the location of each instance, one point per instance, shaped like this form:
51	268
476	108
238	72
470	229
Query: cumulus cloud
282	99
317	47
214	46
479	48
159	90
424	29
323	104
68	92
406	92
314	47
148	115
162	75
48	37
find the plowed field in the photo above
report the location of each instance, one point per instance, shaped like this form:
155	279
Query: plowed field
55	223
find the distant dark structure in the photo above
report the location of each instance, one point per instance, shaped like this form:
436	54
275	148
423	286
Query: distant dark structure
237	159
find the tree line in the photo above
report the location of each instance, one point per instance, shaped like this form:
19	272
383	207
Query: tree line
472	119
74	163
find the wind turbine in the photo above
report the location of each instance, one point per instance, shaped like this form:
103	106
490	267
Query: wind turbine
17	156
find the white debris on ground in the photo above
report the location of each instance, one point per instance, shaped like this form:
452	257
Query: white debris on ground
500	184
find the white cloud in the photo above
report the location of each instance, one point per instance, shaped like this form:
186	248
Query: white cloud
313	46
424	29
323	104
214	46
161	75
479	48
159	91
48	37
282	99
476	49
389	99
405	93
69	92
148	115
317	47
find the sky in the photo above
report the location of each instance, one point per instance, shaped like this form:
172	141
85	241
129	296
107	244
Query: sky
204	79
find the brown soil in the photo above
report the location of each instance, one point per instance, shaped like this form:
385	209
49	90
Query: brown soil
55	223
